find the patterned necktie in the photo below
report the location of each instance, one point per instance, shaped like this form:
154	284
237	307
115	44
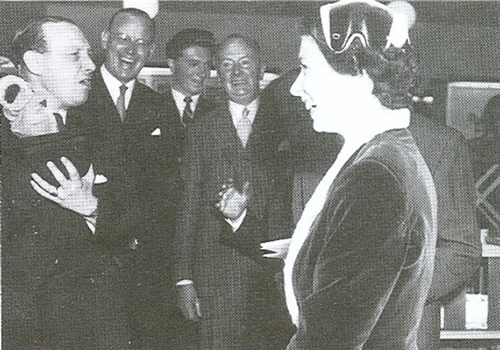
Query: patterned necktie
60	123
244	127
120	102
187	115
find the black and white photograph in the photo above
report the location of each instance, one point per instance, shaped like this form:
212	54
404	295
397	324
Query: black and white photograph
250	175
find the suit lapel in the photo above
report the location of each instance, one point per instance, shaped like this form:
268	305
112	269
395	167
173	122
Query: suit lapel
100	97
260	127
171	106
204	107
138	111
225	134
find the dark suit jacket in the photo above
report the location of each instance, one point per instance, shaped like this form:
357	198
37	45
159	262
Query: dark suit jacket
229	284
458	247
131	152
362	275
60	281
140	154
203	107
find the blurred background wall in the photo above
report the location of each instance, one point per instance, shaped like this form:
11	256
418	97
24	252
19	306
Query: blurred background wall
457	40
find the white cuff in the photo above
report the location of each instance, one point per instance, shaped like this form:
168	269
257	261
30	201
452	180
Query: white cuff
184	282
91	224
235	224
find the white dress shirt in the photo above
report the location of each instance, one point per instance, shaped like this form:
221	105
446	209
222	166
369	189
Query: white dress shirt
114	84
179	101
236	111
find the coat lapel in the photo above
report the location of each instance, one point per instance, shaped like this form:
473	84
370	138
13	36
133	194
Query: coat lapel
204	107
100	97
225	133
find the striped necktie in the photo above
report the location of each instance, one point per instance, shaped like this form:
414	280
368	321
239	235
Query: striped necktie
244	127
187	114
120	102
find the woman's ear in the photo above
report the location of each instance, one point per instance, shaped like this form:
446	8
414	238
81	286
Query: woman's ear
34	61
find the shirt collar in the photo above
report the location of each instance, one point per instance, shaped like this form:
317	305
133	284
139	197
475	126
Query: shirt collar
114	84
62	112
179	100
236	110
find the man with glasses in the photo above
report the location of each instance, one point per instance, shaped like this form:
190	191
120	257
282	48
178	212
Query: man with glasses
133	137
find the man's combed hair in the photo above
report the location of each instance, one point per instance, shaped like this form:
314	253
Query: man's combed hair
189	37
393	70
31	38
132	11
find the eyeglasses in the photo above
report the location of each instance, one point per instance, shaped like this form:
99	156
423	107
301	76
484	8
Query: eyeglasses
125	40
373	23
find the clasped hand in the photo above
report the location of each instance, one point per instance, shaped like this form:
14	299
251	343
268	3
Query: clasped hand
232	202
188	302
74	193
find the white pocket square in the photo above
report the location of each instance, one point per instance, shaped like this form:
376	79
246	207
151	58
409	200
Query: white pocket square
100	179
156	132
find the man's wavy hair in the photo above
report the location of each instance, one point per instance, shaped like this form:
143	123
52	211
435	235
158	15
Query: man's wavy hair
393	70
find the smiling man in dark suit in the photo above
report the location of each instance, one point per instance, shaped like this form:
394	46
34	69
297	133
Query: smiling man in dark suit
133	137
235	148
189	56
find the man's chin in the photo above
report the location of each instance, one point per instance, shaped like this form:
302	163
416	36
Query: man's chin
242	97
78	101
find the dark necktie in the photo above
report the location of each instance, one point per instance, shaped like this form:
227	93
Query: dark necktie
60	122
187	115
120	102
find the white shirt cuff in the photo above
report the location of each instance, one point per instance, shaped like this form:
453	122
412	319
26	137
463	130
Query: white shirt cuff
91	224
184	282
235	224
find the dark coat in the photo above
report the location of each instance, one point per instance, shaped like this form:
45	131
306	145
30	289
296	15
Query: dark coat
204	106
458	246
141	151
61	282
231	285
362	275
131	150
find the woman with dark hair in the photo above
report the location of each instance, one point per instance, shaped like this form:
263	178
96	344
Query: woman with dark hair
360	261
